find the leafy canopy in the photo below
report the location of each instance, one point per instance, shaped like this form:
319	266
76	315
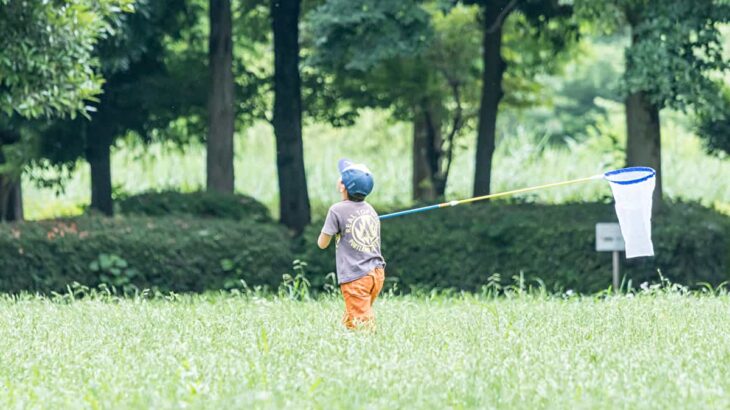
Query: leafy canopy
47	66
676	53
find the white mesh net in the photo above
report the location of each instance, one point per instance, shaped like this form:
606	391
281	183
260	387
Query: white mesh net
632	190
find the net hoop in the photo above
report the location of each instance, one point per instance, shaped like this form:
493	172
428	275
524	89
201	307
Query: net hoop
649	173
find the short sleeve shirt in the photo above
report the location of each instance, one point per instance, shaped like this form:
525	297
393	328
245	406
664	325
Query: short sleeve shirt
356	228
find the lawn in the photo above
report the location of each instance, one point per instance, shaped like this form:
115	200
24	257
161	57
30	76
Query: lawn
651	350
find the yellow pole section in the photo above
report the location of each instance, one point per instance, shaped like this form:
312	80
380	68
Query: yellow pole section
518	191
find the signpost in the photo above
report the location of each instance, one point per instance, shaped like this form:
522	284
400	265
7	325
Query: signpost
609	239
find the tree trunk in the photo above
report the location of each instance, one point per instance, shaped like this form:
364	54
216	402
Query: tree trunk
427	179
428	174
98	154
643	142
643	130
492	93
293	197
219	159
11	199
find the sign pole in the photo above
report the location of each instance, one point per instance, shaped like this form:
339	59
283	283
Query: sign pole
616	271
609	239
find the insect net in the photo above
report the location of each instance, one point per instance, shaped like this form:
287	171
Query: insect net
632	190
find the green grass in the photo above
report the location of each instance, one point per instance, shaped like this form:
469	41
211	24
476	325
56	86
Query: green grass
519	162
661	350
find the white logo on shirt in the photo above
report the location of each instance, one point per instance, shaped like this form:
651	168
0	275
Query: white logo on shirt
363	226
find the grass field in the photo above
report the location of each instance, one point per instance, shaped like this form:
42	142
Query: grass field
658	351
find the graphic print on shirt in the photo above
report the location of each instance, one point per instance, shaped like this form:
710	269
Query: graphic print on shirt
363	227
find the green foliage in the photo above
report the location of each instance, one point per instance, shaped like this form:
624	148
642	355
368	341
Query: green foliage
113	271
445	73
462	247
674	62
147	87
360	34
573	100
47	67
423	54
714	126
295	287
166	253
199	204
676	49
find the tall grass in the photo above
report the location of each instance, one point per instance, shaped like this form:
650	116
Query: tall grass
650	351
385	146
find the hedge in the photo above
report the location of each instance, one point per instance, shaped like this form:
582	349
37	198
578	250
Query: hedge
202	204
451	248
462	247
166	253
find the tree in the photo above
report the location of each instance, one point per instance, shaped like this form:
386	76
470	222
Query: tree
424	62
46	70
548	18
146	88
400	55
668	66
287	120
221	113
46	63
675	49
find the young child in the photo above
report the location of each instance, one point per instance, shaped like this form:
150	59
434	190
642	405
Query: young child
360	266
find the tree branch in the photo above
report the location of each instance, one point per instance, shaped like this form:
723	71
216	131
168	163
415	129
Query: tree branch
457	123
502	16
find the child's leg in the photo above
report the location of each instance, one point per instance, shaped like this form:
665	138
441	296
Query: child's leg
358	301
378	275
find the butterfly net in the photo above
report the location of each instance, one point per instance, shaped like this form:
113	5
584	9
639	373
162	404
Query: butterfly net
632	190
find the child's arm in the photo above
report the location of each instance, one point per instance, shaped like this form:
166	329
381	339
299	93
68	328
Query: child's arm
331	227
324	240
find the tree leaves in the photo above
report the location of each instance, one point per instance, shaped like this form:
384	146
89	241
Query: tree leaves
46	64
676	47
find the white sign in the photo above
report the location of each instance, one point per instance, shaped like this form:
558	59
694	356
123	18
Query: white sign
608	237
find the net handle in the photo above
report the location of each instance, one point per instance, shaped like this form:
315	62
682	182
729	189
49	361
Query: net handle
490	196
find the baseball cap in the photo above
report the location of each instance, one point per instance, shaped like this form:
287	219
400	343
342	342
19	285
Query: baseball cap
357	178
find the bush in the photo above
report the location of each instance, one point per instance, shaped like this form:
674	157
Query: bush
204	204
168	253
462	247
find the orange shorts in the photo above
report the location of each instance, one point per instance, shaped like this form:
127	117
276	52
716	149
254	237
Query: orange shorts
359	297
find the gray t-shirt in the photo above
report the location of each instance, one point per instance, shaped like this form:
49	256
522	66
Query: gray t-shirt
357	230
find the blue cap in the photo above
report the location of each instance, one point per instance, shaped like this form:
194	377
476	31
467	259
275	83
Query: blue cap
357	178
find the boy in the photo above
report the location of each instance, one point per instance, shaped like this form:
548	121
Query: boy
360	266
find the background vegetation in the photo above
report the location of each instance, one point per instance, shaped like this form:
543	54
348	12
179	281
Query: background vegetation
232	115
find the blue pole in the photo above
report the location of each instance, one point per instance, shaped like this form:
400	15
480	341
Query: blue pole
410	211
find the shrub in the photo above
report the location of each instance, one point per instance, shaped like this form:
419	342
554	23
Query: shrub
168	253
204	204
462	247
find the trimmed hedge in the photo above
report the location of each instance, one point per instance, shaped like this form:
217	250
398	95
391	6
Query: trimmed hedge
461	247
167	253
203	204
451	248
